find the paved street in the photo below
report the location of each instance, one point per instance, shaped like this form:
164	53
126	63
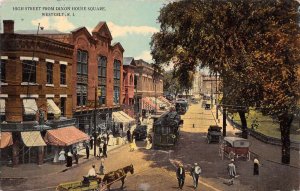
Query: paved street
155	170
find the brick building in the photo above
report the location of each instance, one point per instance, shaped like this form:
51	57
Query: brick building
36	86
147	88
97	65
128	85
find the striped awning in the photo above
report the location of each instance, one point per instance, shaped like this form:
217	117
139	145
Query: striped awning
32	139
65	136
52	107
5	139
30	107
2	106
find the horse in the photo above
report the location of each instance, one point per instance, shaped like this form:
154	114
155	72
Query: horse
119	174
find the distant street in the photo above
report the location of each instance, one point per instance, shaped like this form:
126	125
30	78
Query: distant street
155	170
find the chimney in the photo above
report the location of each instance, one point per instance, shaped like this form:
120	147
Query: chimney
8	26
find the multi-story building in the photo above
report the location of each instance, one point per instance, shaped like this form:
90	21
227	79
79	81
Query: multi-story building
148	88
196	89
128	85
97	71
36	85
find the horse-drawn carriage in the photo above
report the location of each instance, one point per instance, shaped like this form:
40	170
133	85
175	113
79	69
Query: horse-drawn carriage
235	147
97	183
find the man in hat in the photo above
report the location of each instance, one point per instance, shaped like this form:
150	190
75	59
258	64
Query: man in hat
92	172
231	171
180	173
195	172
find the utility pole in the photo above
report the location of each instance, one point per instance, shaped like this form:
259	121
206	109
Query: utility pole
217	113
95	120
224	122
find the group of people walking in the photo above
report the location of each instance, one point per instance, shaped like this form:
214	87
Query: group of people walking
196	171
68	156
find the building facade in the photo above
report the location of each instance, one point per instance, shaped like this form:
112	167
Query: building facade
128	85
36	85
148	88
97	71
197	83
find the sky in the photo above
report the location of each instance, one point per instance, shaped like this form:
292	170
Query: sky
131	22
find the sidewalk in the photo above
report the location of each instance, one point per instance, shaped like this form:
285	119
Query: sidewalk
24	171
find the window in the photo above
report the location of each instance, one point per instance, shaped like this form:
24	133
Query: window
3	71
131	80
116	95
63	74
29	71
102	98
117	70
82	62
81	95
102	65
49	67
63	106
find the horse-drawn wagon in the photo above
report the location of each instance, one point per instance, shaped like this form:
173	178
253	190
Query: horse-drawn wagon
235	147
97	183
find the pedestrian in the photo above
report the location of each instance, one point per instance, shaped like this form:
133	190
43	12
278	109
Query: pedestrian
87	151
69	159
149	142
129	136
256	167
101	168
132	145
75	154
195	172
91	142
101	149
62	157
231	171
105	150
180	174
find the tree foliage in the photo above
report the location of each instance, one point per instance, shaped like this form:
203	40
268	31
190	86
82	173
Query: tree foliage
251	44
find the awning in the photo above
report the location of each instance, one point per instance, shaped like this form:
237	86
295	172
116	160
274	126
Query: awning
30	107
65	136
32	139
130	119
5	139
119	118
2	106
52	107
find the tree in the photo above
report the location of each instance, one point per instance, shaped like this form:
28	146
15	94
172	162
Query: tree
171	83
250	44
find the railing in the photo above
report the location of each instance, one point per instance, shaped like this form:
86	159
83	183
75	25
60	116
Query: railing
264	138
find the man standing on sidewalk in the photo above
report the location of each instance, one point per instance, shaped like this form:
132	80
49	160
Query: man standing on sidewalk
87	151
105	150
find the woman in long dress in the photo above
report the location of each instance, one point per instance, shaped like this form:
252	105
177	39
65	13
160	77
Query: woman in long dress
149	142
132	145
62	157
69	159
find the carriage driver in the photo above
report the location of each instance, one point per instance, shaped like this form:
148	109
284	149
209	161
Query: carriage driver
92	172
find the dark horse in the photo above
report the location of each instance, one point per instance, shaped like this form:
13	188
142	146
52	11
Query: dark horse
117	175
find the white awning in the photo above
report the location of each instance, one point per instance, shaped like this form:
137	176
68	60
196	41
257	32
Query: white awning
32	139
52	107
30	107
119	118
130	119
2	106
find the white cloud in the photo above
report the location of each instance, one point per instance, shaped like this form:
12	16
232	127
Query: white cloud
145	55
117	30
54	23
